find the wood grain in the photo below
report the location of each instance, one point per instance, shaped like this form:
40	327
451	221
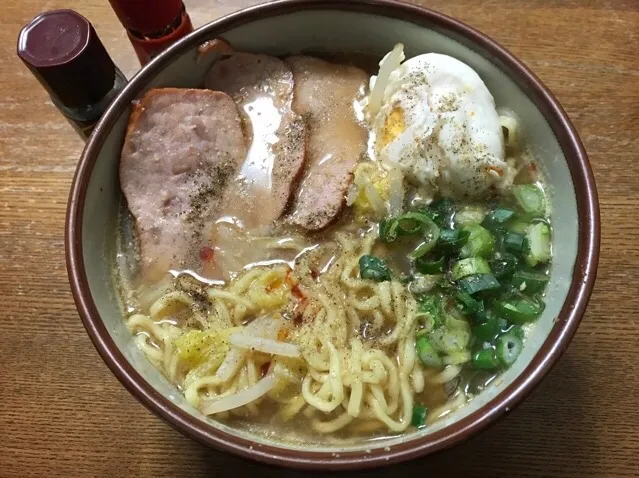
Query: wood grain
62	413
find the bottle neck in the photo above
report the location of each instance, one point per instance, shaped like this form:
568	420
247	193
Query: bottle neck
164	31
90	114
147	48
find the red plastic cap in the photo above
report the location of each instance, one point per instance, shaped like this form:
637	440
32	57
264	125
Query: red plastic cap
146	16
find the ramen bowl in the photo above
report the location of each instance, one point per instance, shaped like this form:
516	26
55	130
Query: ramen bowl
369	27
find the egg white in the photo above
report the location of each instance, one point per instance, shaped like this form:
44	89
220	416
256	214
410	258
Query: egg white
438	123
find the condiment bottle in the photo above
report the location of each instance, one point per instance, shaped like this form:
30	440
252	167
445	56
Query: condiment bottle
152	25
63	51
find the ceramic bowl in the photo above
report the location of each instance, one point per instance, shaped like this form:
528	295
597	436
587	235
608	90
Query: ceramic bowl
354	26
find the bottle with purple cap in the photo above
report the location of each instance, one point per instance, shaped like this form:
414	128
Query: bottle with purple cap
63	51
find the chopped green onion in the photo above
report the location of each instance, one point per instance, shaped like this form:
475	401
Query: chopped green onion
487	331
452	240
498	218
508	348
531	199
432	306
427	321
412	223
479	283
471	214
482	315
457	358
419	416
486	359
409	224
538	236
426	266
430	241
504	264
529	281
427	353
373	268
456	321
480	242
514	242
517	226
442	212
517	330
449	341
469	266
467	303
519	309
388	230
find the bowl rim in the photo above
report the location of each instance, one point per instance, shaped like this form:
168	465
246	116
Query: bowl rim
555	344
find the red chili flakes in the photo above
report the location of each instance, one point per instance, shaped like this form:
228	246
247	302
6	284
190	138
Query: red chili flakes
207	254
314	274
295	290
298	312
532	171
303	304
264	368
289	277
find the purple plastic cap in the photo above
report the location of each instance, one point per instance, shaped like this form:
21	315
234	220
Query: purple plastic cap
63	51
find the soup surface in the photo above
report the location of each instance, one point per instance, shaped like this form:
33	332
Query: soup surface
320	255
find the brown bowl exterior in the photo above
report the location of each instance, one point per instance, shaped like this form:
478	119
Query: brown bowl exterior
553	347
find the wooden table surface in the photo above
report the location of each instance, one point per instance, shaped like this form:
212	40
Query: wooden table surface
62	413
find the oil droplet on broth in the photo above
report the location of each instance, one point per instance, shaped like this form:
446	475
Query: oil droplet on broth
252	187
265	120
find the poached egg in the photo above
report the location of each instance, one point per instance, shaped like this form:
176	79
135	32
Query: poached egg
433	118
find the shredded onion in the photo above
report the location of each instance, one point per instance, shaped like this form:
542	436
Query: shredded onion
231	364
449	373
264	327
447	408
396	198
362	182
267	346
240	399
284	373
509	120
353	192
390	62
374	198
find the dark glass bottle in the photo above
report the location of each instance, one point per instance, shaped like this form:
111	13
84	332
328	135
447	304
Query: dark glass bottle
63	51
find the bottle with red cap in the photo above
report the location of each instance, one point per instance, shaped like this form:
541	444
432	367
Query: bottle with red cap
63	51
152	25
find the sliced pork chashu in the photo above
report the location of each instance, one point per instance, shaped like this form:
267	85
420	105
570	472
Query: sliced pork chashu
182	150
262	86
324	95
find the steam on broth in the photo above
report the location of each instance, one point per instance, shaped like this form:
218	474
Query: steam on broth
315	254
